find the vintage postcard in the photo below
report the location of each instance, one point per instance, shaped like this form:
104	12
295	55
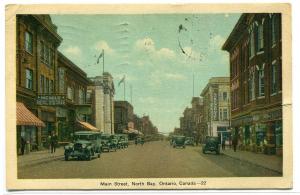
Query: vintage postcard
193	96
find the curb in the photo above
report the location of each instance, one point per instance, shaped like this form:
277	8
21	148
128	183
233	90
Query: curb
41	161
250	162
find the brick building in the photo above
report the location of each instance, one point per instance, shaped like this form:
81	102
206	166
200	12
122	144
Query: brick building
36	63
72	84
256	82
216	107
123	112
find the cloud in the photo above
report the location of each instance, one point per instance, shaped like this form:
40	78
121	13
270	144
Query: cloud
103	45
73	51
174	76
147	46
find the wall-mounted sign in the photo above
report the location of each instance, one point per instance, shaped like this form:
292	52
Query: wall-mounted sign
50	100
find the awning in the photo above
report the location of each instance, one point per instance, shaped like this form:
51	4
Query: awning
27	118
87	125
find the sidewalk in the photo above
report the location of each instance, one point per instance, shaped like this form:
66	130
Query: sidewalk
38	157
272	162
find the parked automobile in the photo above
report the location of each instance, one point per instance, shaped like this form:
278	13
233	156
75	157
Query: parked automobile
190	141
85	145
108	144
211	144
122	140
178	141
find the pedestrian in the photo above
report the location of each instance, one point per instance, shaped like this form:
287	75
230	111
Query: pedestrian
223	144
23	143
53	142
142	141
234	143
49	142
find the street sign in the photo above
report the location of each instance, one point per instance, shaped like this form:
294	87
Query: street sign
50	100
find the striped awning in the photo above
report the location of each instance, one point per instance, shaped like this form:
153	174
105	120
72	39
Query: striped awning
88	126
27	118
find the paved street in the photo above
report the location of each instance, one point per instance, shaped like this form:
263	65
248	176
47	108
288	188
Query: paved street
153	160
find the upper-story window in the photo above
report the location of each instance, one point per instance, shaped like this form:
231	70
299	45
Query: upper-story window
274	28
28	42
261	82
225	114
47	86
51	86
70	93
274	78
46	54
81	96
29	78
260	38
42	81
224	96
251	44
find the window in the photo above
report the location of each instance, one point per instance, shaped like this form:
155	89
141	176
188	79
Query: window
220	114
42	51
225	117
29	78
252	44
42	81
274	28
260	38
47	55
28	42
261	83
224	96
51	86
274	78
81	96
70	93
47	86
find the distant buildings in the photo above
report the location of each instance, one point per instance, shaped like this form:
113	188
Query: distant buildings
255	48
216	106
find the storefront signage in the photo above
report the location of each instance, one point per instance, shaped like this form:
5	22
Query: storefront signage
50	100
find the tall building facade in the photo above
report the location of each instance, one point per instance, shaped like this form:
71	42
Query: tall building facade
36	64
216	107
101	95
254	46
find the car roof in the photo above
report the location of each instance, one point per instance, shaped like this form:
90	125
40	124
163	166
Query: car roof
86	132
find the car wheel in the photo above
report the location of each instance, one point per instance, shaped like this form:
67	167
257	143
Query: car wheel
89	157
98	155
217	151
203	151
66	157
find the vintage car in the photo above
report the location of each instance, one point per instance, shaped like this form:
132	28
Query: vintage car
122	140
211	144
189	141
85	145
178	141
108	143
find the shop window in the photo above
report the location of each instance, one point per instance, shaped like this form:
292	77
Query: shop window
28	42
29	79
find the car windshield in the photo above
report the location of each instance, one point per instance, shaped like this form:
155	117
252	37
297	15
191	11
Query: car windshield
84	137
211	139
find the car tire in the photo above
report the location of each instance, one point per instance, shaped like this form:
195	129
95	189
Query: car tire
217	152
66	157
203	151
98	155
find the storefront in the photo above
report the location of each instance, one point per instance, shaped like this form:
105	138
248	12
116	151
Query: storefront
27	129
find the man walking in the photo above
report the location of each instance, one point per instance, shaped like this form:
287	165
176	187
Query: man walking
53	142
234	143
23	143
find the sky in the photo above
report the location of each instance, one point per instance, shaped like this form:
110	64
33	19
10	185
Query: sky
157	53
